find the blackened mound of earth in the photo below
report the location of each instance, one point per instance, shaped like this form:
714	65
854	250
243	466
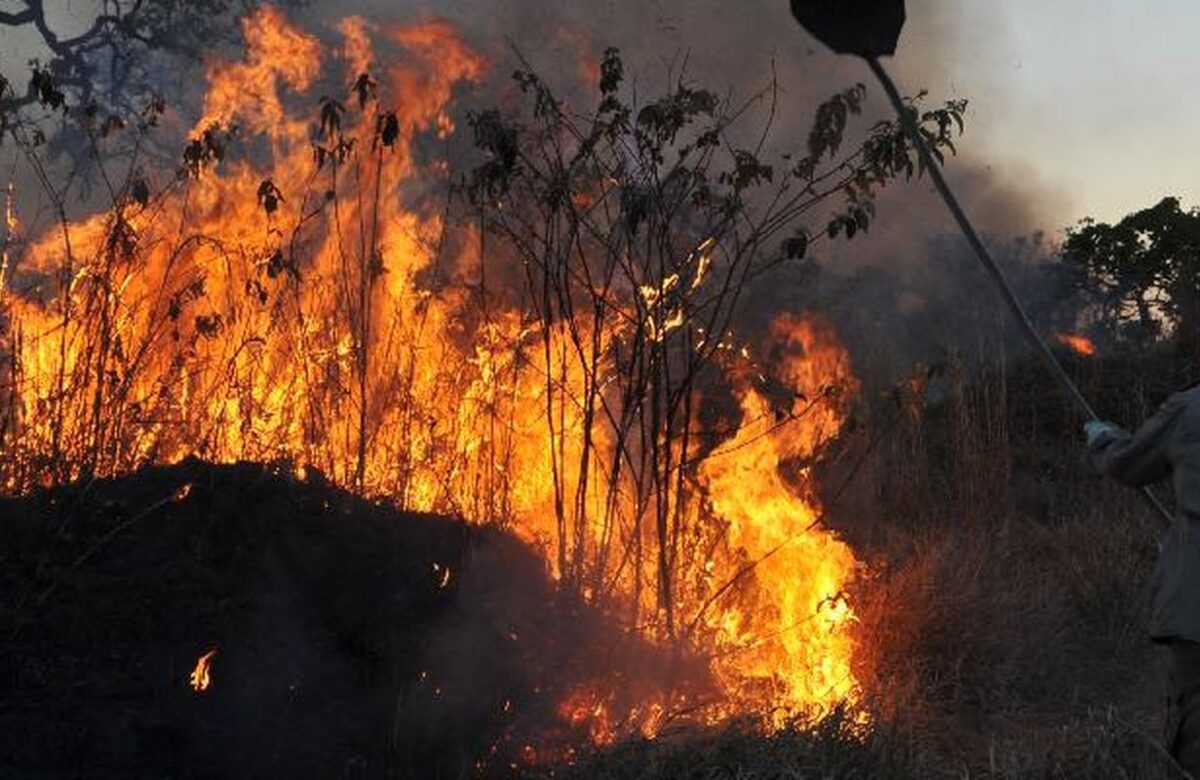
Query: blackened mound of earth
352	640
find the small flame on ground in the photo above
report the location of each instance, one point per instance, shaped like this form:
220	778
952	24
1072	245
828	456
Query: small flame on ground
1080	345
200	680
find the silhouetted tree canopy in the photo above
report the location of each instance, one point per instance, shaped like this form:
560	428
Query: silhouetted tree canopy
110	61
1141	274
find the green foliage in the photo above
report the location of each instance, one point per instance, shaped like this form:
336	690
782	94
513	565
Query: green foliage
269	196
364	89
612	71
885	155
680	137
889	153
496	137
140	191
659	123
331	116
387	129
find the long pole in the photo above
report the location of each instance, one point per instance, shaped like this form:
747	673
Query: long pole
1014	304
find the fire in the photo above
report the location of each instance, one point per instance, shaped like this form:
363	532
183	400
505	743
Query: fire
199	679
300	302
584	708
1080	345
789	627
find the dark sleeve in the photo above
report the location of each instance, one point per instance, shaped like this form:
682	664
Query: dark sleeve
1142	457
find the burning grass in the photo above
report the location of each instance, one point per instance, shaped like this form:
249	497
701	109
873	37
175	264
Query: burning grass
1001	628
544	342
547	344
343	646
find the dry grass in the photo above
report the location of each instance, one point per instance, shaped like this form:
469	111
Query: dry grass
1002	624
835	748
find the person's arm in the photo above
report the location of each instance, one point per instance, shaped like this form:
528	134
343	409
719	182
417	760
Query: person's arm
1139	458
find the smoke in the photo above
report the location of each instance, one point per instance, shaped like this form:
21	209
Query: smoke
903	293
736	50
923	269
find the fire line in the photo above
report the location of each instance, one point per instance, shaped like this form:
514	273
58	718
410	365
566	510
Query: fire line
269	339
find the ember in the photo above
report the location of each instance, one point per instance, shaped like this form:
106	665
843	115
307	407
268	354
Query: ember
200	679
442	573
1080	345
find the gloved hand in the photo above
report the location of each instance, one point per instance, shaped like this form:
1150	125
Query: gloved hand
1098	430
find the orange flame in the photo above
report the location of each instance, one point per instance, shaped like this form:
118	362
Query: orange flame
199	678
295	319
790	627
1080	345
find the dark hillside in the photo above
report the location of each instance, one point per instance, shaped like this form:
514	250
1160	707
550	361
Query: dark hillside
352	640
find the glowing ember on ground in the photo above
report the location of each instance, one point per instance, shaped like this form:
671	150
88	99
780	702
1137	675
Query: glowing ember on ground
1080	345
199	678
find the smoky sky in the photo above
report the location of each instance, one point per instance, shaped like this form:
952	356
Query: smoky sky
736	49
926	295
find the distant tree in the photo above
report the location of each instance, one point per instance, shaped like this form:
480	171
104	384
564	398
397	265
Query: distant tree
1141	276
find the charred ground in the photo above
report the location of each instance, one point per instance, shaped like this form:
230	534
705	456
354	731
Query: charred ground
352	640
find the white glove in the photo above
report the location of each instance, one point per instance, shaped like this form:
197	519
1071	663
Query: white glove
1098	430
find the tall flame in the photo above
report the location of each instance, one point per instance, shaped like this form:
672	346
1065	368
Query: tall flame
790	627
299	303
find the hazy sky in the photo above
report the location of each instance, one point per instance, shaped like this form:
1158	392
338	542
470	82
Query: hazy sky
1098	101
1094	106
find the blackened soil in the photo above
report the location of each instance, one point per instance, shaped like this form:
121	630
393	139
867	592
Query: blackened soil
343	647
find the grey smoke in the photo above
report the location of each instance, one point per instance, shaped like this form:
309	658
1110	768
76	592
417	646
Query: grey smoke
735	49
